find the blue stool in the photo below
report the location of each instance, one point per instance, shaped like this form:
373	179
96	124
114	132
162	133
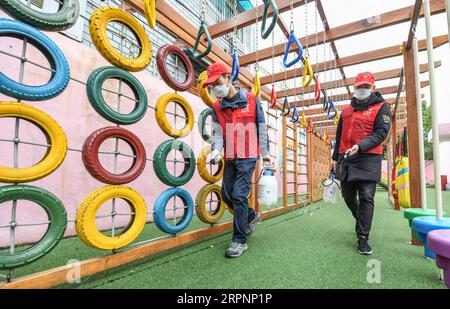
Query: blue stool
423	225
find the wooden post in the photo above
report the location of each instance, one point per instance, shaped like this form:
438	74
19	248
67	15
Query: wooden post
412	129
295	126
309	167
284	145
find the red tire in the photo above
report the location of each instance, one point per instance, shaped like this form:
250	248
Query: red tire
161	60
92	162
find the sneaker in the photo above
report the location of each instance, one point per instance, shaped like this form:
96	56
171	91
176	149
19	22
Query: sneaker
252	224
363	247
235	250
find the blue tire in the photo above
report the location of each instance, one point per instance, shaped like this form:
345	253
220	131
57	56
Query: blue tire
60	77
160	210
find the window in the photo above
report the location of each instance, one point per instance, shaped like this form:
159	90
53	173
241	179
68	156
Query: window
38	3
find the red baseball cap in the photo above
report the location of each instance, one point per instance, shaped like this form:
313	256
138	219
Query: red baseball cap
364	78
214	71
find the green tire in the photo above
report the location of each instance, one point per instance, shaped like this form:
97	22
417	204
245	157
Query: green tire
56	215
94	93
160	159
65	18
201	124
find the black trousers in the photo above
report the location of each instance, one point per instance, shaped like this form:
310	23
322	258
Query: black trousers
236	186
359	197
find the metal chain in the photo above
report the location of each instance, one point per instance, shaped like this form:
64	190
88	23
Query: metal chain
273	58
306	27
257	35
316	21
202	12
291	26
325	56
235	24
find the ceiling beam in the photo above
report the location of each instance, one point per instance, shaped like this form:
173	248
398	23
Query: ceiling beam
364	25
248	18
379	76
379	54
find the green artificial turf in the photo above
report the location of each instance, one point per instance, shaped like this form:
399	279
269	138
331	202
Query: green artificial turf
312	247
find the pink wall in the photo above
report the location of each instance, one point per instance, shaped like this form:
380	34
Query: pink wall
72	110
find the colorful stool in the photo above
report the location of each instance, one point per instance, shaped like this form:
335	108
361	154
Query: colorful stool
412	213
424	225
439	243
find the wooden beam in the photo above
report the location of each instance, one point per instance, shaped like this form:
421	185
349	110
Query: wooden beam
395	73
248	18
413	132
412	27
344	31
379	54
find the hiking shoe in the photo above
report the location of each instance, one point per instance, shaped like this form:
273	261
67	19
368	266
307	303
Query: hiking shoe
235	250
252	224
363	247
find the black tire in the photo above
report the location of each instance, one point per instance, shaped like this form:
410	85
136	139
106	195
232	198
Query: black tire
94	93
65	18
58	222
160	159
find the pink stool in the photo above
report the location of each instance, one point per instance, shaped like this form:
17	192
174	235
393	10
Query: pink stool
439	243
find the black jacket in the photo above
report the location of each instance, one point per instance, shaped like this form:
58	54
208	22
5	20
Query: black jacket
364	166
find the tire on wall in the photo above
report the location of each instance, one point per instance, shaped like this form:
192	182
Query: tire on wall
58	63
57	216
160	210
161	117
202	122
86	218
200	204
55	137
206	97
161	60
97	29
203	170
65	18
92	163
94	93
160	159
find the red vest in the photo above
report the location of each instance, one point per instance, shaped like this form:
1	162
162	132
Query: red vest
357	125
239	129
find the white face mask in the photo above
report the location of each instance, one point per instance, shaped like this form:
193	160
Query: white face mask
362	93
221	91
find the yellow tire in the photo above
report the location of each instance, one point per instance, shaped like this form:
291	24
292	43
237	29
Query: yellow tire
161	117
203	170
55	137
257	84
150	12
204	94
86	225
97	29
201	209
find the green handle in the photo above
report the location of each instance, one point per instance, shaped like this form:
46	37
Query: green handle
202	30
266	32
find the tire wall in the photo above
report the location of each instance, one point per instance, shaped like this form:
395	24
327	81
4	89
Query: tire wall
71	183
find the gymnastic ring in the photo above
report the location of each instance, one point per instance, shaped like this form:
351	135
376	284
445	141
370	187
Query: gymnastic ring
92	162
97	29
65	18
163	122
161	61
160	210
57	218
94	93
150	12
203	170
160	159
86	225
60	68
200	204
206	97
55	138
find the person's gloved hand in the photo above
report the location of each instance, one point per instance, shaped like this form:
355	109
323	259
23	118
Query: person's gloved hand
215	157
267	161
350	152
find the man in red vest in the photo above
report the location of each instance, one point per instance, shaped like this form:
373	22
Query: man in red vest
357	156
239	129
